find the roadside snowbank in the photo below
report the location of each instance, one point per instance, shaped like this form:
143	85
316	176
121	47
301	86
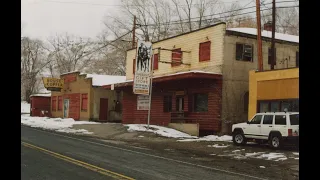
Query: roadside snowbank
25	107
162	131
57	124
210	138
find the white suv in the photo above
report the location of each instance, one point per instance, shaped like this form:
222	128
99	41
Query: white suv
271	127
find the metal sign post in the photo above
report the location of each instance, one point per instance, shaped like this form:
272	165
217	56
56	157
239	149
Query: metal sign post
150	90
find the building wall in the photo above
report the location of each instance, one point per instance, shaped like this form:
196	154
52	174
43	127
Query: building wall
236	79
73	90
187	42
277	84
38	104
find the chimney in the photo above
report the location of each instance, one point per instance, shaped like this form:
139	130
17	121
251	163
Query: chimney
267	26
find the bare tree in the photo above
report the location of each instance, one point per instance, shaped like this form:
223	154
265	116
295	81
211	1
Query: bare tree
71	53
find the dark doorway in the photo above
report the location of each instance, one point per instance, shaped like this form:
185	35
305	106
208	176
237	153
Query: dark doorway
179	103
103	114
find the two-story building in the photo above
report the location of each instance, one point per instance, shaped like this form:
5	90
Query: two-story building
202	76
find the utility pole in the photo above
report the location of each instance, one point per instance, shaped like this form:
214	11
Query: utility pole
260	59
273	55
134	32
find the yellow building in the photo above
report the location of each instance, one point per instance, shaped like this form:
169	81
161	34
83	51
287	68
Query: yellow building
273	91
84	98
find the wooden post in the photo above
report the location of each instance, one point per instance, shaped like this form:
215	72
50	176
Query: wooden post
260	58
134	32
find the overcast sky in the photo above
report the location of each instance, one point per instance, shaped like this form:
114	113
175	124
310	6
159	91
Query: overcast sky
45	18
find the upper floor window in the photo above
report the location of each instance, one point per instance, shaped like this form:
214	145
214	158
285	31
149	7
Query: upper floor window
244	52
270	56
156	61
176	57
204	51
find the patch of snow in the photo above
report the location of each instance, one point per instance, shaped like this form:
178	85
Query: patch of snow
253	154
25	107
280	36
251	143
140	136
210	138
236	151
218	146
159	130
272	156
262	167
296	158
295	153
57	124
42	95
101	80
212	154
242	149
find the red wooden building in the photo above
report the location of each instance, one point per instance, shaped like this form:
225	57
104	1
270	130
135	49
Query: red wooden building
40	105
188	97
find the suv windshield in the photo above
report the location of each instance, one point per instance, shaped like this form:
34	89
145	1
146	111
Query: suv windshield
294	119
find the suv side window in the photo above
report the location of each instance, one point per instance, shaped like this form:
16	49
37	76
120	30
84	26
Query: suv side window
280	120
267	119
256	119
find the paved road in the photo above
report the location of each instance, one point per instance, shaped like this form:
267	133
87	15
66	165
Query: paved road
47	155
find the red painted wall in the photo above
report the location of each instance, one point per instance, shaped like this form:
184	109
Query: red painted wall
209	121
38	104
74	105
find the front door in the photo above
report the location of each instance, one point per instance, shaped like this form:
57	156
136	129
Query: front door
267	125
66	108
103	114
253	128
179	103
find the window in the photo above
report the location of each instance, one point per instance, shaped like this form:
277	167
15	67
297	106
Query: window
155	61
134	66
244	52
167	103
200	102
275	106
176	57
256	120
59	103
204	51
285	106
84	102
267	119
270	57
280	120
297	59
54	103
294	119
246	102
264	106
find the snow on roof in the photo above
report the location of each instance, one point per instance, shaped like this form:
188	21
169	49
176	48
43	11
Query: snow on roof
70	72
279	36
100	80
42	95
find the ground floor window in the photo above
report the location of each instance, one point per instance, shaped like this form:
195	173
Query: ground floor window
201	102
167	103
278	105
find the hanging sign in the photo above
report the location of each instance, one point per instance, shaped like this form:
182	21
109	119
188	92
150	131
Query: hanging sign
142	102
53	84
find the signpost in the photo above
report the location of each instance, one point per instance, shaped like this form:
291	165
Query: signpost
142	83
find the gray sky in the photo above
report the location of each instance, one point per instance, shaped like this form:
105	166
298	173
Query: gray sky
45	18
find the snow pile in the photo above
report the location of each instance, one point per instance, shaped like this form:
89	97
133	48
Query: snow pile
25	107
267	156
159	130
218	146
210	138
57	124
296	153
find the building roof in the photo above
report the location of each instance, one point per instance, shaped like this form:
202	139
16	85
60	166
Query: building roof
100	80
174	76
267	34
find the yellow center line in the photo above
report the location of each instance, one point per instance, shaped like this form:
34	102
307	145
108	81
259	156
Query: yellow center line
79	163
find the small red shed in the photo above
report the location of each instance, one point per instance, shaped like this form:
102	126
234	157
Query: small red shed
40	105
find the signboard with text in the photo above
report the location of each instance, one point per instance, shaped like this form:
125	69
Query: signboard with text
53	84
142	102
143	68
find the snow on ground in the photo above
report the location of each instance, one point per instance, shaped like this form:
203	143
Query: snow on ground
162	131
218	146
210	138
25	107
267	156
57	124
296	153
262	167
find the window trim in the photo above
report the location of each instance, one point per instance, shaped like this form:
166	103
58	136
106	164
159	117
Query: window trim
176	64
200	52
243	50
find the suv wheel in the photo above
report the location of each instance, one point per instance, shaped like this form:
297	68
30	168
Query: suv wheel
275	141
238	138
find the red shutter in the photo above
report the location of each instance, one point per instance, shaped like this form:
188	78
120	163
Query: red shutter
134	66
156	61
84	102
176	57
204	51
59	103
54	103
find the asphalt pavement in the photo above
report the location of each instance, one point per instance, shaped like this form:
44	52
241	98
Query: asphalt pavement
47	155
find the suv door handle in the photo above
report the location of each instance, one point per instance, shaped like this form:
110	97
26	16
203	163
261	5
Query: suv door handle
270	126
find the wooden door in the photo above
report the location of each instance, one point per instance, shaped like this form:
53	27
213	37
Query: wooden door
103	114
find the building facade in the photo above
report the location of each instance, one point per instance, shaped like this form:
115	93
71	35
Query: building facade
203	76
83	98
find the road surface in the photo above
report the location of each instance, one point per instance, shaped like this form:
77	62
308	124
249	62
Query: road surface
47	155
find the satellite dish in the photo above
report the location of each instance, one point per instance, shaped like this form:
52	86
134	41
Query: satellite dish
285	109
